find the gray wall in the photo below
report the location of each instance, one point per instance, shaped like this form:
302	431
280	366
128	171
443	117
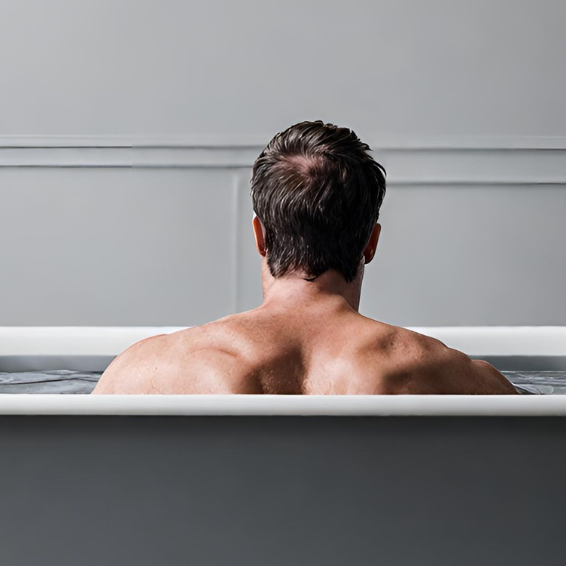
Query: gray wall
127	130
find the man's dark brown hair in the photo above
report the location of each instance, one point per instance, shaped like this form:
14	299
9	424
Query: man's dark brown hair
318	192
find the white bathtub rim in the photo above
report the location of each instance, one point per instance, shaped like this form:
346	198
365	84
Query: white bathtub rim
286	405
110	341
74	340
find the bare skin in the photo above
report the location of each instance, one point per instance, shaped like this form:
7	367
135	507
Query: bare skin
306	338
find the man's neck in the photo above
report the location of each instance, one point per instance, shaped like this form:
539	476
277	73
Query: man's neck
295	289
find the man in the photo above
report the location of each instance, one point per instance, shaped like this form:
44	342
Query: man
316	192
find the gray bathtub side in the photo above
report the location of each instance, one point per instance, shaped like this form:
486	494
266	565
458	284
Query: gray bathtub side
276	491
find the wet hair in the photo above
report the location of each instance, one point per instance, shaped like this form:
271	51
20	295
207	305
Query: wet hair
317	191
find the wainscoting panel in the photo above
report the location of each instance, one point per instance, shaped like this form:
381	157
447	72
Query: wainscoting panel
115	246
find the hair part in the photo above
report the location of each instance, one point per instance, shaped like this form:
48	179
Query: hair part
318	192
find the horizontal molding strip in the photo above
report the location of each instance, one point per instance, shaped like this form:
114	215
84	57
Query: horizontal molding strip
409	161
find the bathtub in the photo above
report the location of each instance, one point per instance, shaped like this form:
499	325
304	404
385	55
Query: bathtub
279	480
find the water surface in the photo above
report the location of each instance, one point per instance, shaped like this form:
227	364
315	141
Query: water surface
83	382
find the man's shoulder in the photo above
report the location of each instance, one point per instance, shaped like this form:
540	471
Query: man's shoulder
402	344
416	363
207	338
179	362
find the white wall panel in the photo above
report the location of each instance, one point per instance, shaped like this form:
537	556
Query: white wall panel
115	246
479	255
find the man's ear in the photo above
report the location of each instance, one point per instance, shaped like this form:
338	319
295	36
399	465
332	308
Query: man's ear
259	236
369	252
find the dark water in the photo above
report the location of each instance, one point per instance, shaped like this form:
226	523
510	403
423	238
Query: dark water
56	381
77	382
538	382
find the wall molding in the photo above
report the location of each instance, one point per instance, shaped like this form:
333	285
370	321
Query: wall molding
520	160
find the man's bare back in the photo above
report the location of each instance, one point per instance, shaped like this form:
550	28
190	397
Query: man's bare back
327	348
319	192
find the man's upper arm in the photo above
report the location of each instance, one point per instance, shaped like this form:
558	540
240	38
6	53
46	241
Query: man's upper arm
477	377
444	370
128	370
494	378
